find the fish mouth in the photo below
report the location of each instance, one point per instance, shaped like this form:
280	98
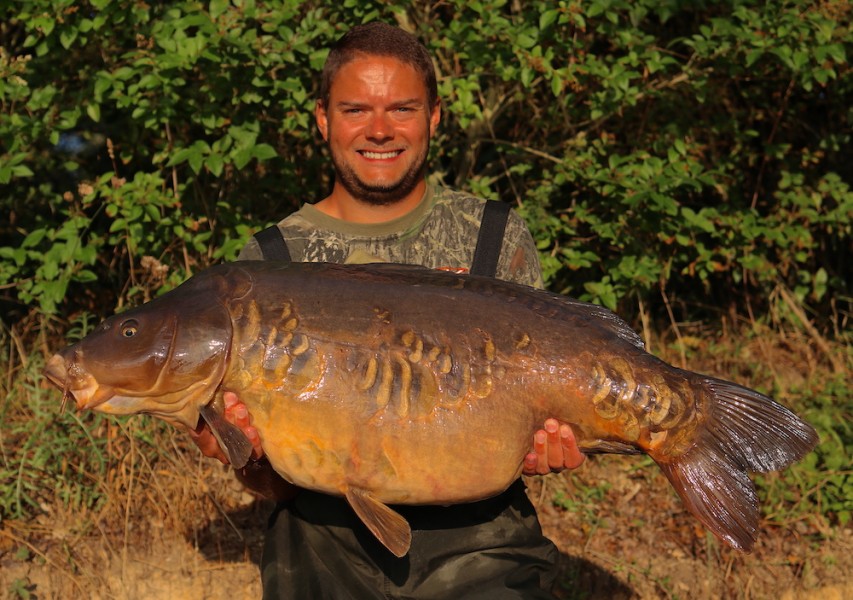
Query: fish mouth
75	383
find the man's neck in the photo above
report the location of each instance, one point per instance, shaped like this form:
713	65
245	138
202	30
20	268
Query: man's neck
340	204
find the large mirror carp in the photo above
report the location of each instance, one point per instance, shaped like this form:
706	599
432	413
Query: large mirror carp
367	381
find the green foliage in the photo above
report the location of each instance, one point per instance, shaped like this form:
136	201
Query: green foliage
62	450
654	144
821	485
695	149
133	131
53	459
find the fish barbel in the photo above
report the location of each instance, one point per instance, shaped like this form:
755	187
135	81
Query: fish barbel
366	381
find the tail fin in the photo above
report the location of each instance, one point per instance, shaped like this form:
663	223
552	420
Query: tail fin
745	431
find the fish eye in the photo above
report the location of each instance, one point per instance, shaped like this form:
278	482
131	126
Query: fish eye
129	328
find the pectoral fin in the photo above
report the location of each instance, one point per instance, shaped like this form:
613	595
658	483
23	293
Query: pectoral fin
607	447
388	526
232	440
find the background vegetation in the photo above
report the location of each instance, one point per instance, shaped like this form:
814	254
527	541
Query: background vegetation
686	163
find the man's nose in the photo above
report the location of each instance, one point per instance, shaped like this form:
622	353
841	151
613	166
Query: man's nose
380	127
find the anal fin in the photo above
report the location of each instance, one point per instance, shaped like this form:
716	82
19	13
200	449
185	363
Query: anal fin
388	526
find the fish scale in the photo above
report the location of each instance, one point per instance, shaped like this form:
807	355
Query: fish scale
368	381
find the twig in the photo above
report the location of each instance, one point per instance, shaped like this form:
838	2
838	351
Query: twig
644	319
127	510
837	367
764	160
227	518
489	119
762	344
528	149
674	324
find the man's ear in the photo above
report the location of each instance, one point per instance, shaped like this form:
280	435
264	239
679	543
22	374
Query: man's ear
434	118
322	119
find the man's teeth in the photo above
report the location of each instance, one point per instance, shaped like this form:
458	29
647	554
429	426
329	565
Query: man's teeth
379	155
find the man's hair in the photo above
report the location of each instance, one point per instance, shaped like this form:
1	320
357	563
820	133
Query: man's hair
379	39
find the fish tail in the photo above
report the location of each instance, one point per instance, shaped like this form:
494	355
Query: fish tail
745	431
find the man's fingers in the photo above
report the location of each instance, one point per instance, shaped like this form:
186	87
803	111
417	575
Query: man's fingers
534	459
555	449
255	440
572	456
540	447
240	416
230	399
530	462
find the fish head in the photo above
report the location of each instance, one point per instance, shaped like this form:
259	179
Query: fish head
165	358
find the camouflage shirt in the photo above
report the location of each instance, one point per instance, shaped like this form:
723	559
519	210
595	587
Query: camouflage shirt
441	233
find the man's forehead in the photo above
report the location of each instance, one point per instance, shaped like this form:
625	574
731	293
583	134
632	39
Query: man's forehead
361	63
376	74
370	58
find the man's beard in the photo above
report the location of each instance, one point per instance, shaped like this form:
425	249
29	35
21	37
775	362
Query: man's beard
379	195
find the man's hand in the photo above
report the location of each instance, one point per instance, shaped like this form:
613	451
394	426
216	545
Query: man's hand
554	449
235	413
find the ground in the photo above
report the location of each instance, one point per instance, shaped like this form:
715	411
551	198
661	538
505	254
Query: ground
622	533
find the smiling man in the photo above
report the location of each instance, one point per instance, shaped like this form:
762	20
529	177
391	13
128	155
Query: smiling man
378	110
378	123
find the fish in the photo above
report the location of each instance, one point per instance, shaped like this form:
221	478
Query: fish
369	381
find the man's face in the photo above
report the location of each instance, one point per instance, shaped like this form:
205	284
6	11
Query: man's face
378	126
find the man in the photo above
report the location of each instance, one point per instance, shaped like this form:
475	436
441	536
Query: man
378	110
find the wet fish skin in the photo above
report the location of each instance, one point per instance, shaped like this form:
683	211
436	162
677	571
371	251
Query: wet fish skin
367	381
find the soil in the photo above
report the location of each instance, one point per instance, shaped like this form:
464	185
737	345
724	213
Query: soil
622	533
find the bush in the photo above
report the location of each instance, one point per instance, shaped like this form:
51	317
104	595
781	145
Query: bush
681	153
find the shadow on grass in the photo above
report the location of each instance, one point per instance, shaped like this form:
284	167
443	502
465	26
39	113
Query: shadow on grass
580	579
239	537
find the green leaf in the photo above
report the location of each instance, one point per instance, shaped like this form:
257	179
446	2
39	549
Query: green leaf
242	157
547	18
215	163
195	158
218	7
67	37
22	171
94	112
264	151
556	85
34	238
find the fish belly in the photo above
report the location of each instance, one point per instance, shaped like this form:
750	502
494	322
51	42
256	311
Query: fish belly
449	454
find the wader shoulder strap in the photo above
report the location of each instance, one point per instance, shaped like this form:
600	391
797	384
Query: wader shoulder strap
273	245
489	241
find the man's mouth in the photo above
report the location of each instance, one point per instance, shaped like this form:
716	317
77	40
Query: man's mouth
373	155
